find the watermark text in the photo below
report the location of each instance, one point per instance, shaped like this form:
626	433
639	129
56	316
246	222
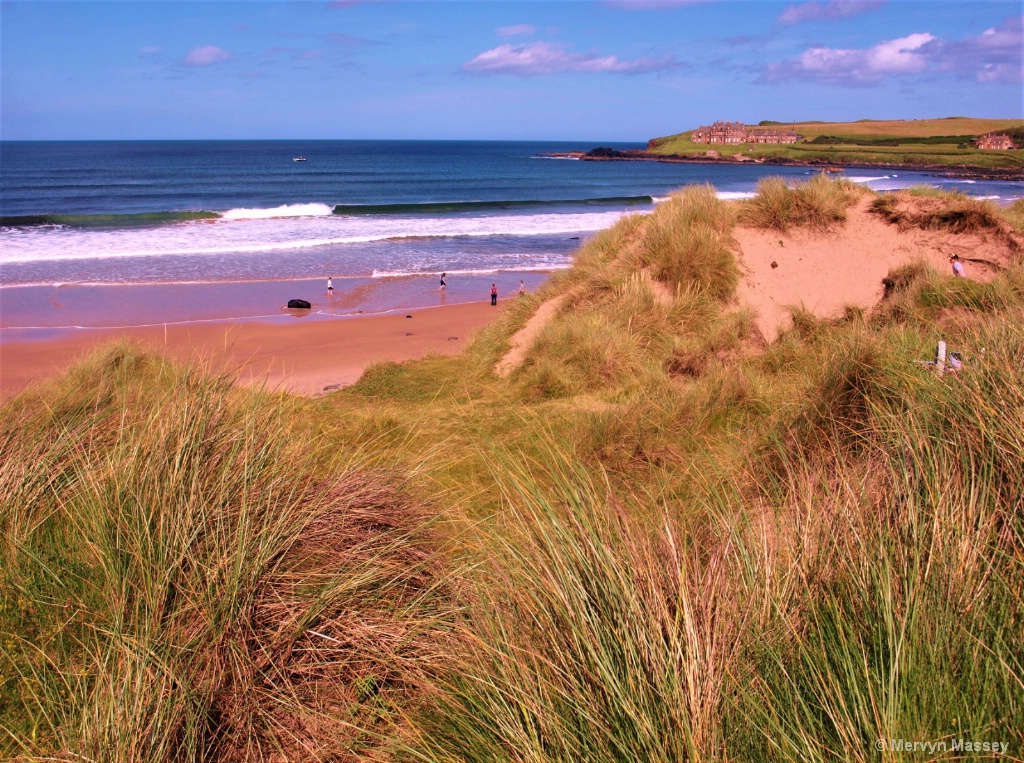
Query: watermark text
942	745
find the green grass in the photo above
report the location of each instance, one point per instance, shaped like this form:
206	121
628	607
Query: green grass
687	243
819	203
843	595
868	142
955	213
189	573
658	540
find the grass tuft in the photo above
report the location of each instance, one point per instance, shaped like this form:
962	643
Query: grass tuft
820	203
687	243
953	212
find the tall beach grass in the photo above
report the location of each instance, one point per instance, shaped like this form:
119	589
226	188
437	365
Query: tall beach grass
657	540
189	574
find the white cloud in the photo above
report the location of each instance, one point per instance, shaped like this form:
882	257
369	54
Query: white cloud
995	55
898	56
852	67
150	50
830	10
206	56
541	58
512	31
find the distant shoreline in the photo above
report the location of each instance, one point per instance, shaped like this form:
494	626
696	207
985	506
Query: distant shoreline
944	170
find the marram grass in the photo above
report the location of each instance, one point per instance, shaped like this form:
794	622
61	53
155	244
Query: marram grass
844	596
189	575
819	203
687	551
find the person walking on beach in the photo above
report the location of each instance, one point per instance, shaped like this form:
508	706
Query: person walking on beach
443	284
522	289
958	267
494	294
330	285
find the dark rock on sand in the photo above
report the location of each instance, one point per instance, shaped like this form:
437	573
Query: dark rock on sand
298	304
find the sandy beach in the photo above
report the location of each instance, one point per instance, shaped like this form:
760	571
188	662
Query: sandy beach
307	355
244	327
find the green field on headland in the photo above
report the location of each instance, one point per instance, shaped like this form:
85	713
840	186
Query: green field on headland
658	538
944	142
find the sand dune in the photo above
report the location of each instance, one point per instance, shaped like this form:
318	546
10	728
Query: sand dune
825	271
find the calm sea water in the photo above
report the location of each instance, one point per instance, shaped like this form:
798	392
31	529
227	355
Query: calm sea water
209	211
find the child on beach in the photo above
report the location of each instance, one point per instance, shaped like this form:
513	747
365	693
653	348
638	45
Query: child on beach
442	280
330	284
958	267
522	289
494	294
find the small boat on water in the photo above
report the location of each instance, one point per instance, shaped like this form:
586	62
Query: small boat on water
298	158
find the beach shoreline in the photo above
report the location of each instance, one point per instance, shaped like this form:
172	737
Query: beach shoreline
302	356
245	328
45	311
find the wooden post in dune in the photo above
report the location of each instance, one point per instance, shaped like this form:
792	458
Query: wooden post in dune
940	358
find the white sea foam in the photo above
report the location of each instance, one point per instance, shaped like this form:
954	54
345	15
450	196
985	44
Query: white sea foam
272	234
288	210
543	268
864	179
734	195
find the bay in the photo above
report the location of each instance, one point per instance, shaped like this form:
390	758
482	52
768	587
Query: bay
216	211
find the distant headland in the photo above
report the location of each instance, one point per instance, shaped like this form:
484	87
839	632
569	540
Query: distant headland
955	146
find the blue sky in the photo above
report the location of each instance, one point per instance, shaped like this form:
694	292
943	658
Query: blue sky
616	70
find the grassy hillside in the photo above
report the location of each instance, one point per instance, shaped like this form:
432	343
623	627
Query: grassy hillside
919	141
657	539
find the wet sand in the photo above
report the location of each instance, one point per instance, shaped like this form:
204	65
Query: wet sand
305	352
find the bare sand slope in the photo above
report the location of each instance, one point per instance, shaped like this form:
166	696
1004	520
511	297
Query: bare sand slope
825	271
522	340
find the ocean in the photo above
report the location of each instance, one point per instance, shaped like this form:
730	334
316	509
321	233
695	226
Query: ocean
204	212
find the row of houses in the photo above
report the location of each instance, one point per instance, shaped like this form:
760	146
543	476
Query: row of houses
737	132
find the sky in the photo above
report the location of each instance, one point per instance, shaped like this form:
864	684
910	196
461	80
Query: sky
611	70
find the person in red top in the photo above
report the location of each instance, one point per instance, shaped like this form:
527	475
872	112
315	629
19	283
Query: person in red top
494	293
